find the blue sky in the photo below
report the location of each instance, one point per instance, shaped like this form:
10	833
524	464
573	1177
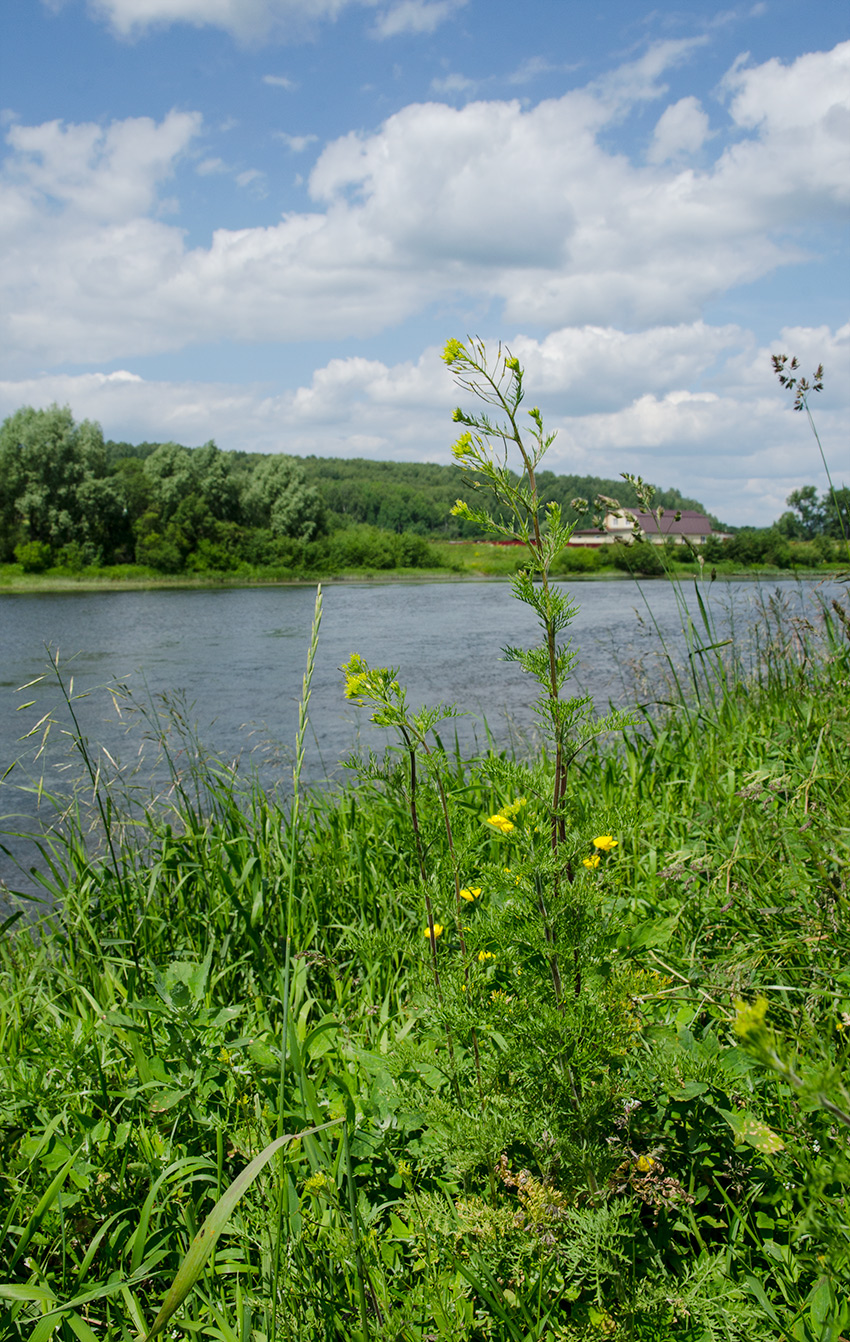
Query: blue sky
259	220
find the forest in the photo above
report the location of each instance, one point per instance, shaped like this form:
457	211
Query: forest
72	502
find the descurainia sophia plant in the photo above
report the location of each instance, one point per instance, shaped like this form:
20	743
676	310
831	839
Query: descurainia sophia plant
483	450
527	950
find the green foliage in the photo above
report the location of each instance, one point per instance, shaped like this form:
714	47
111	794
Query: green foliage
34	556
131	1100
639	557
481	1050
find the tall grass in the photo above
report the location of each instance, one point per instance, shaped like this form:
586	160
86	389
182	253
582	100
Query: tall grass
249	1091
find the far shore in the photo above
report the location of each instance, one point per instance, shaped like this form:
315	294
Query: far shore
68	584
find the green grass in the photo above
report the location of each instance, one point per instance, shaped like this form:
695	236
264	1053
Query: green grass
470	559
622	1164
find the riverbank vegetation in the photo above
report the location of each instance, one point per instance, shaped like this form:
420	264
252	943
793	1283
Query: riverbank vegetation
77	510
693	1186
477	1049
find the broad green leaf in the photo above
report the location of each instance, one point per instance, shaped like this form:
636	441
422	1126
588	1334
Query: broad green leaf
751	1130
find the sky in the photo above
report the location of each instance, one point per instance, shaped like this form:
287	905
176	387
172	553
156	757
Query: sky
259	221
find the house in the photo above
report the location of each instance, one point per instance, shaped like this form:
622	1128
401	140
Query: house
687	525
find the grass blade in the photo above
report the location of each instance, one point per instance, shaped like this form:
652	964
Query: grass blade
203	1243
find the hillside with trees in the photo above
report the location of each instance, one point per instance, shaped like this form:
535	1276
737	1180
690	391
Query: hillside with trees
70	500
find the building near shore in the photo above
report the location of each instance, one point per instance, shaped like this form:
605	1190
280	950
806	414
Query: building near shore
626	525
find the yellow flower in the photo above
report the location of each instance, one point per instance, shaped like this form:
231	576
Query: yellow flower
484	955
469	893
317	1183
515	807
592	861
606	842
750	1019
438	930
501	823
454	349
463	447
644	1163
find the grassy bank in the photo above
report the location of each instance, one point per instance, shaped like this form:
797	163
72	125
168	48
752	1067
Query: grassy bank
608	1102
441	562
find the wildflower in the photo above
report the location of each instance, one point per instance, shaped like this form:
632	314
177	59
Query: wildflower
750	1020
453	351
606	842
644	1163
317	1183
515	807
438	930
592	861
469	893
501	823
484	955
463	447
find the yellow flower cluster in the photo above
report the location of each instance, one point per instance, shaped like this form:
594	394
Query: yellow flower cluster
503	820
463	447
604	843
501	823
484	955
438	930
365	682
317	1183
453	351
469	893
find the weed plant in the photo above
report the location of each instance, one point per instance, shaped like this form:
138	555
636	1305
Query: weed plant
472	1049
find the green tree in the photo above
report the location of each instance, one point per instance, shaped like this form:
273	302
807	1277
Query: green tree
53	485
810	510
278	498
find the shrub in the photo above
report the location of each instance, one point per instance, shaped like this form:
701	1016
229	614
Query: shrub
580	559
34	556
159	552
639	557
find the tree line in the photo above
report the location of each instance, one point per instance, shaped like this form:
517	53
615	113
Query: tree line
70	498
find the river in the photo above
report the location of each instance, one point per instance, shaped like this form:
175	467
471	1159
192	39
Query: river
231	662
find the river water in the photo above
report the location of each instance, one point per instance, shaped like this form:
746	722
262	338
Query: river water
231	662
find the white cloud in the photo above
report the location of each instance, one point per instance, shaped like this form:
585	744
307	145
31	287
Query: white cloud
247	20
102	173
208	166
297	143
453	83
280	82
415	16
252	21
529	69
681	130
489	203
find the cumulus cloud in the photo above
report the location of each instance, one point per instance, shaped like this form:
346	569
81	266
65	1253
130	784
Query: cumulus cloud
493	202
681	130
617	399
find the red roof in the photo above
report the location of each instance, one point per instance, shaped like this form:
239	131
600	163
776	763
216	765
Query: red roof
689	524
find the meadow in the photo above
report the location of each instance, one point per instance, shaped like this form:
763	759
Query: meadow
472	1048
